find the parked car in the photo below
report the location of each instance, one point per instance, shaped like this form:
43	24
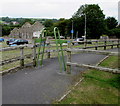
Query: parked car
81	39
62	37
1	39
18	42
10	40
78	39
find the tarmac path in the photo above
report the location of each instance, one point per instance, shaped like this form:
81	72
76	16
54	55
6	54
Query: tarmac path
42	85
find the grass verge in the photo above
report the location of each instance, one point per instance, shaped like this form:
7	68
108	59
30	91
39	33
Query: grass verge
98	87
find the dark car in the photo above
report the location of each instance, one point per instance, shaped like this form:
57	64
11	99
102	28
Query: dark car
19	42
10	40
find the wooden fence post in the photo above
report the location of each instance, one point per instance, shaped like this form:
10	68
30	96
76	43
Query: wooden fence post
105	44
118	43
112	45
69	59
48	52
34	54
85	44
22	57
96	45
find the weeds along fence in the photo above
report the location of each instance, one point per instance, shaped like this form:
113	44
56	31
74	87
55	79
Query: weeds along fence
20	56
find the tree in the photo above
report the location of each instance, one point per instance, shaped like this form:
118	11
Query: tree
48	23
95	23
26	20
6	19
62	25
6	29
114	32
111	22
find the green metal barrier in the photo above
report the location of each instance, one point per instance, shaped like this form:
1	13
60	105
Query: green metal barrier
58	41
41	49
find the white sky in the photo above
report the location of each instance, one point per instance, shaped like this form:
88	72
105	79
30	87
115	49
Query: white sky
53	8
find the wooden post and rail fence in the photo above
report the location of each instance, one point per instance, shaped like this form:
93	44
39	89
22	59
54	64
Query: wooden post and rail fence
69	63
34	54
97	43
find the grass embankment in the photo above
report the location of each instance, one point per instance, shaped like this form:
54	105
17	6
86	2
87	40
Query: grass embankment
98	87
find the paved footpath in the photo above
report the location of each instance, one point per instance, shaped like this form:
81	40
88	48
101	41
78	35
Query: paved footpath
42	85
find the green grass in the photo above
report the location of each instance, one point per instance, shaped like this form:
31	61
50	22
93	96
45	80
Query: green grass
38	40
111	62
98	87
61	41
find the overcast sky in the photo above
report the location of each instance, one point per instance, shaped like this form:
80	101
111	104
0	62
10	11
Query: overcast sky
53	8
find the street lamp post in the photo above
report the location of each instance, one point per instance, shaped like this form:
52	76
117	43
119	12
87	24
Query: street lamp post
85	33
72	29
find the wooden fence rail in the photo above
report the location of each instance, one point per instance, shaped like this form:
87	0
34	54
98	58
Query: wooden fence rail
94	67
33	55
98	41
69	63
31	45
92	51
96	45
14	48
23	57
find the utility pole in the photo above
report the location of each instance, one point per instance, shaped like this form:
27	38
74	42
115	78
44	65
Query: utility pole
76	34
85	29
85	43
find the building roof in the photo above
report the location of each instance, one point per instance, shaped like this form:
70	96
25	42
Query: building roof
26	25
27	29
37	26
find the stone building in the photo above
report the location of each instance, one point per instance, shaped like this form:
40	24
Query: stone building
27	31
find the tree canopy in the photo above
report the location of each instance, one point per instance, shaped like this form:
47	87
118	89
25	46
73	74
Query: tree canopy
95	24
91	14
111	22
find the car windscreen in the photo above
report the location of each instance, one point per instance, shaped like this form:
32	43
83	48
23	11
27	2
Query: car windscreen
11	40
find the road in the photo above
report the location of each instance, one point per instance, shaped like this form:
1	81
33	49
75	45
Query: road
42	85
